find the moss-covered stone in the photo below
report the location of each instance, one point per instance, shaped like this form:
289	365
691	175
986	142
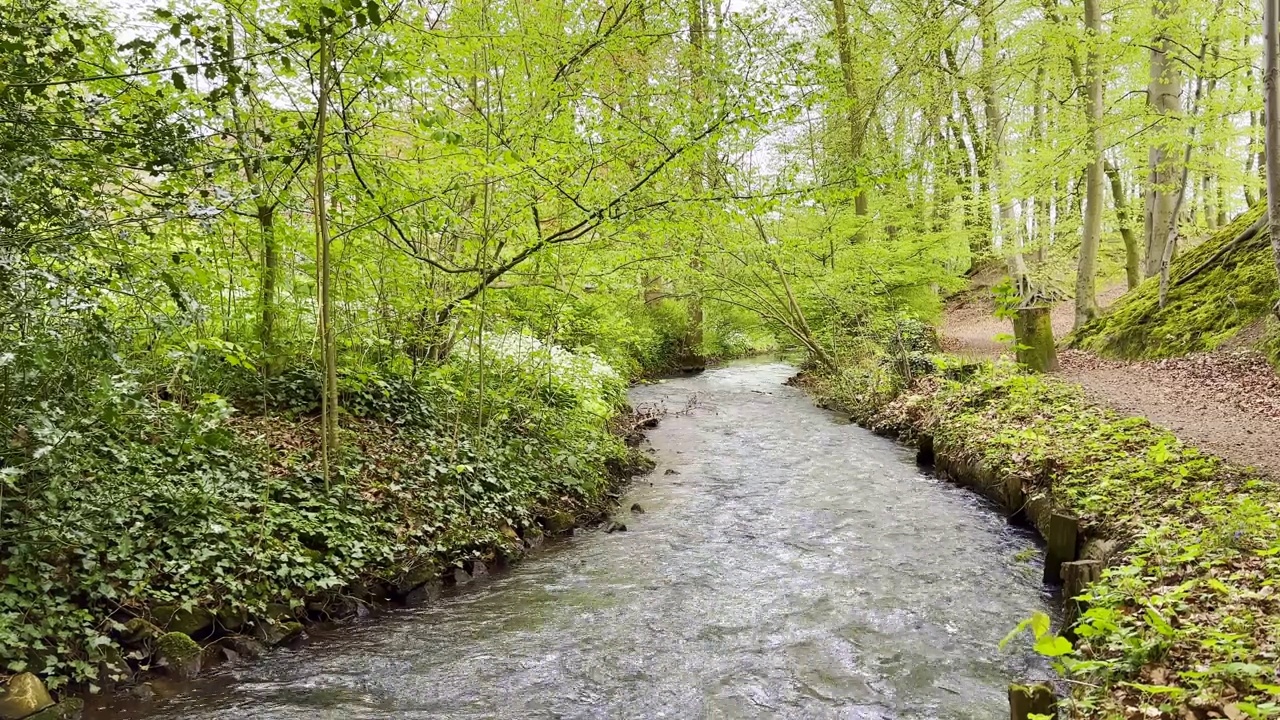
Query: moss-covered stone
559	522
138	631
22	696
277	633
181	655
232	618
191	622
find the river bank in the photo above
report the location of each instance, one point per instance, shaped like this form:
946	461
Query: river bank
232	540
1183	623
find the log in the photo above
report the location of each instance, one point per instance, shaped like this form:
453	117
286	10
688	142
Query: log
1077	576
1064	531
1033	333
1033	699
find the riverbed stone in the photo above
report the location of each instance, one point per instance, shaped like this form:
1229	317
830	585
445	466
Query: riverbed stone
479	569
181	655
24	695
278	633
69	709
244	646
637	509
176	619
461	577
417	576
427	592
615	526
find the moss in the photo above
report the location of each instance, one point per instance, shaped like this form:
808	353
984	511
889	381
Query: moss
177	619
182	655
1230	294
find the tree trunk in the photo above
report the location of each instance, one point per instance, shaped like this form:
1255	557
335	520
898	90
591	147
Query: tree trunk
1033	333
844	49
1001	207
328	343
1132	261
267	285
1091	238
1271	40
1164	93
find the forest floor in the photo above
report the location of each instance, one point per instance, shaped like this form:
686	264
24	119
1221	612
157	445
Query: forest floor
1226	402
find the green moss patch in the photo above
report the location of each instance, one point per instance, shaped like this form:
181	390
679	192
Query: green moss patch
1231	293
1186	622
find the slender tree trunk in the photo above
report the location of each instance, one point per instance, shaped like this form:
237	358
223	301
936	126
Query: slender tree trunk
1132	261
329	401
1164	93
697	42
844	49
1271	40
267	284
1001	207
1091	238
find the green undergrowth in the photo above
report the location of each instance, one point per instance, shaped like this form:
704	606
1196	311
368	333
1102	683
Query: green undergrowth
215	505
1231	293
1186	620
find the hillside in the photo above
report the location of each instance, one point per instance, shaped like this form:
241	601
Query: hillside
1217	290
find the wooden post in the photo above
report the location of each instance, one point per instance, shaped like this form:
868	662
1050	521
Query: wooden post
1063	532
1076	577
1033	333
1033	699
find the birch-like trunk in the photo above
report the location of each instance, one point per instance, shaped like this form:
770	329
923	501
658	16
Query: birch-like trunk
1091	237
1271	39
1164	97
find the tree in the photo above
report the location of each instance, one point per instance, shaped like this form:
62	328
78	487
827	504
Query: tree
1086	278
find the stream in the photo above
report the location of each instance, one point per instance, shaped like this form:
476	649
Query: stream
786	564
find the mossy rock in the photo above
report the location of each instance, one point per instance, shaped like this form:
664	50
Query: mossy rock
278	633
138	631
69	709
24	695
278	612
188	622
232	618
559	522
182	656
416	576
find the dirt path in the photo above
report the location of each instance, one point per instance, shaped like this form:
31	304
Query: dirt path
1227	403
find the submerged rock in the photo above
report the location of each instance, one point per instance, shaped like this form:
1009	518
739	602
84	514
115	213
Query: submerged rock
243	646
69	709
635	508
182	656
671	471
615	526
24	695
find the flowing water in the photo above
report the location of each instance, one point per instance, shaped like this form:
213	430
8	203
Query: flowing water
787	564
